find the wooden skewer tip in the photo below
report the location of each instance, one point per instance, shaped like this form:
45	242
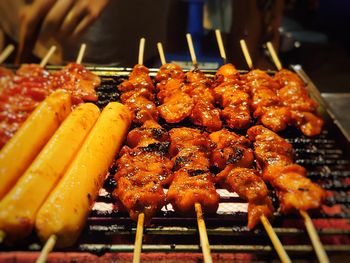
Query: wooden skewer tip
246	53
81	53
191	48
6	53
141	51
138	238
275	240
315	239
161	53
203	236
48	247
221	45
47	56
274	55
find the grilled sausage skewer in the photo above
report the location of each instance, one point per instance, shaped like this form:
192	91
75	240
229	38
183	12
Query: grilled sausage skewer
319	249
48	230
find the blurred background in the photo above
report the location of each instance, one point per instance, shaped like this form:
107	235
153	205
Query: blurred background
313	33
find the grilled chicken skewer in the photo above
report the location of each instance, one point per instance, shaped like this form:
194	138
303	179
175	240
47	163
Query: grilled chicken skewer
233	97
233	157
192	188
295	191
310	124
138	92
294	95
321	254
187	96
140	186
180	194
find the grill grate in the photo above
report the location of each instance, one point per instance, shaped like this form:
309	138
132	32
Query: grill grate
326	157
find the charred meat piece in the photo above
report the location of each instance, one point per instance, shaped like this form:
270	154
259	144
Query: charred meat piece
149	132
275	157
186	190
250	187
142	109
206	115
231	149
181	138
176	108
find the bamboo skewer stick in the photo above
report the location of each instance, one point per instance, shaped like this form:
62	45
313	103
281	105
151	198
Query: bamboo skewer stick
221	46
275	240
310	228
161	53
138	238
81	53
6	53
141	217
141	51
47	56
265	222
48	247
315	239
274	56
246	54
203	235
191	48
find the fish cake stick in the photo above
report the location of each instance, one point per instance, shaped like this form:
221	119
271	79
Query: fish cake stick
19	207
19	152
65	211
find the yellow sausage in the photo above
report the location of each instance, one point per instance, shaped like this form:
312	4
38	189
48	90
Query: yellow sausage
19	207
64	212
24	146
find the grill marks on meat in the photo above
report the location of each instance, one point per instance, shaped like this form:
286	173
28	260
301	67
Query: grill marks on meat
249	186
138	95
20	93
204	113
233	157
186	96
267	106
281	101
231	149
233	97
190	150
303	109
143	170
176	104
275	157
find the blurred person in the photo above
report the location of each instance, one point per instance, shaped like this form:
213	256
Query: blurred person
111	28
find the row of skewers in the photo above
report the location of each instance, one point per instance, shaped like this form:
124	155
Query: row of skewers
144	168
181	158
